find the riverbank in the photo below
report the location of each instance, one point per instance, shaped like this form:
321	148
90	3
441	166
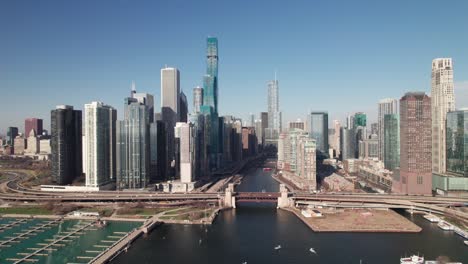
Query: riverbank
358	220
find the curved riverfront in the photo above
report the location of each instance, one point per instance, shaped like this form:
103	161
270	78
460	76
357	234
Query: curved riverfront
252	231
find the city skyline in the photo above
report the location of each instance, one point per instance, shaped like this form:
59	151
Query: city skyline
104	73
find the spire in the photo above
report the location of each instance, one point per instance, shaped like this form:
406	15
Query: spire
275	76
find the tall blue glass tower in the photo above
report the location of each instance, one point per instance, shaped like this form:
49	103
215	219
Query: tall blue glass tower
210	80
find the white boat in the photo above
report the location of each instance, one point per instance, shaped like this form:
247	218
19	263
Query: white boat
412	260
466	242
313	250
278	247
445	226
431	218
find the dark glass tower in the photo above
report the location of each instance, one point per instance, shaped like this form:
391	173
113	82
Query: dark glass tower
66	144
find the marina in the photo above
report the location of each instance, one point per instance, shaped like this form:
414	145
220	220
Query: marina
58	240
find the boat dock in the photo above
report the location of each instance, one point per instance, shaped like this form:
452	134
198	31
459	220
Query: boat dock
11	224
48	246
123	243
24	235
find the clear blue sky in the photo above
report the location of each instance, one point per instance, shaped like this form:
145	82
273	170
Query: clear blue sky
340	56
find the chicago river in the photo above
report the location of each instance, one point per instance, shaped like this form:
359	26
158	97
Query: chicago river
251	232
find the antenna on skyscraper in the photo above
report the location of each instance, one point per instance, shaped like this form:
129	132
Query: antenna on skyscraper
275	75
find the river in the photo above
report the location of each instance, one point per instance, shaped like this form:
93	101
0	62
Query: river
252	231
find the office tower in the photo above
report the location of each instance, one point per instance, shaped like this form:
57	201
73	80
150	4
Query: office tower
347	144
201	152
249	142
415	144
258	131
336	137
360	119
32	143
32	123
368	148
391	141
158	151
274	115
298	124
251	120
170	106
66	144
183	108
148	100
387	106
374	129
184	134
197	99
443	101
99	144
44	146
456	177
19	145
12	132
133	146
210	81
318	129
350	121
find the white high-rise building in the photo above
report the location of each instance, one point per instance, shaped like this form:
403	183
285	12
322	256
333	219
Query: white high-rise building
387	106
197	99
184	132
336	137
99	144
443	101
274	115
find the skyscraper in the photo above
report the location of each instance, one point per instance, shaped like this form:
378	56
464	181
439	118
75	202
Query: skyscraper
443	101
264	119
197	99
415	144
456	176
65	144
274	115
391	141
360	119
133	146
148	100
336	137
183	107
347	144
170	106
210	81
12	132
99	144
33	123
318	129
185	136
387	106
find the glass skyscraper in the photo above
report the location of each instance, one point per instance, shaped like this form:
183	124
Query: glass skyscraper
457	143
318	129
392	141
210	80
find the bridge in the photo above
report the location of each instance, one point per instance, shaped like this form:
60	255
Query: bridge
12	190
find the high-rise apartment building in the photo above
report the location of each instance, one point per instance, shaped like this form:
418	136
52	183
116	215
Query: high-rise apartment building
66	144
185	137
210	81
415	144
387	106
197	99
391	141
318	130
99	144
443	101
133	146
32	123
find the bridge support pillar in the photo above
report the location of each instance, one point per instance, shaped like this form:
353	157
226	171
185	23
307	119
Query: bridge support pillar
284	200
229	198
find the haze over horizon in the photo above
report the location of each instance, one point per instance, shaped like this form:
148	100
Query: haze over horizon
327	55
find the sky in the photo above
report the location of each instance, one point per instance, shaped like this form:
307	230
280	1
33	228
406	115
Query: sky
337	56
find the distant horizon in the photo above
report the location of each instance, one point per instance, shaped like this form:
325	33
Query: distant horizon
341	57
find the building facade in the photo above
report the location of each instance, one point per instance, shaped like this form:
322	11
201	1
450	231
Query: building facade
274	114
415	144
391	141
443	101
66	144
33	123
387	106
170	106
99	144
318	130
197	99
